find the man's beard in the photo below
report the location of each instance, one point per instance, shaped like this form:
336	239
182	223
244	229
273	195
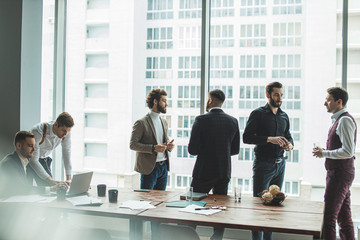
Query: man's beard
26	154
275	104
161	109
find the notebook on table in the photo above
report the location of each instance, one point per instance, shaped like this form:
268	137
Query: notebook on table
183	204
195	196
80	184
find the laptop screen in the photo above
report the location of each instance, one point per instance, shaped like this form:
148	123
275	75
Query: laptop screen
80	183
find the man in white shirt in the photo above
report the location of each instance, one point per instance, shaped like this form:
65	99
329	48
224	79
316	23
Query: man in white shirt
13	168
339	164
47	137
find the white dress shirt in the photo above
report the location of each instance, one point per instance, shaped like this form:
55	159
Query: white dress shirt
346	132
44	150
24	162
155	117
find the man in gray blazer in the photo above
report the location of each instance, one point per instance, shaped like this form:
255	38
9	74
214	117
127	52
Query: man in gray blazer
149	139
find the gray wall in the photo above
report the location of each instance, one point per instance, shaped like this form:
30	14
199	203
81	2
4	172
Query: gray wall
17	41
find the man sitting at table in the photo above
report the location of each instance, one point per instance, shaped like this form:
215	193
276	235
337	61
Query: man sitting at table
13	168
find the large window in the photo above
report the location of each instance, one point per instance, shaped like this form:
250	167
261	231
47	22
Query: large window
116	53
222	36
189	67
159	9
253	35
159	38
252	66
158	67
253	8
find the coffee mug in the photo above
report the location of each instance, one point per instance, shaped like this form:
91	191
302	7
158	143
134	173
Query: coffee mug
101	190
113	195
60	194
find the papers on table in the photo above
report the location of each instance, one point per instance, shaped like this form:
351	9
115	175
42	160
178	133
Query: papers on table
191	209
137	205
84	201
30	199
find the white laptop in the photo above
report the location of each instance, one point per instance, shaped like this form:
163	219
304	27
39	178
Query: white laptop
80	184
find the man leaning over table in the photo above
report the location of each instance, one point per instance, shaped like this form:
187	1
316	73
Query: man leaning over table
268	127
13	168
149	138
215	137
339	165
47	137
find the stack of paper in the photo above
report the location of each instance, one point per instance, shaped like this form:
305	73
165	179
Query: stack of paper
192	209
84	201
136	205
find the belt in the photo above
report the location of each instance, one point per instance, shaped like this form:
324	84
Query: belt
273	160
162	162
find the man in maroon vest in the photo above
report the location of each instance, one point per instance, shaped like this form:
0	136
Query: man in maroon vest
339	164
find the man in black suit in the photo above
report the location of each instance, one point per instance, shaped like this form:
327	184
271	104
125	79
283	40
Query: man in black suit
13	168
215	137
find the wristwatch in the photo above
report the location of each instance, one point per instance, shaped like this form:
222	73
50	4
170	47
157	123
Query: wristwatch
153	148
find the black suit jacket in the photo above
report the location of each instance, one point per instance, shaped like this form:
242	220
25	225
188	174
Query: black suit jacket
215	137
13	180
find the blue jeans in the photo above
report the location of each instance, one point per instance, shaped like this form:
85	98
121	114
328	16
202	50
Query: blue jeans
156	180
266	173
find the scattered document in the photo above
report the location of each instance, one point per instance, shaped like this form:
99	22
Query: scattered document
137	205
199	210
84	201
30	199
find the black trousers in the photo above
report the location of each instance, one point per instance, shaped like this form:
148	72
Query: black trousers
218	186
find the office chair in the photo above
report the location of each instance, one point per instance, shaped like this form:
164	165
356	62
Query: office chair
177	232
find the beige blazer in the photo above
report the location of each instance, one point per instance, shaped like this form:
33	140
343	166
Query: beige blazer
143	136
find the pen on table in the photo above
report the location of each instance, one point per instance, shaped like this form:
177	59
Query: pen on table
202	208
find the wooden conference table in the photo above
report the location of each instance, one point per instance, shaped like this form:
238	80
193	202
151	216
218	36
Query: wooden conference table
293	216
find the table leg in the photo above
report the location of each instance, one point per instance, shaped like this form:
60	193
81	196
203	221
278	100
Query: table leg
136	229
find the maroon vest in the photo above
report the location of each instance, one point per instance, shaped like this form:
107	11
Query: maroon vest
333	142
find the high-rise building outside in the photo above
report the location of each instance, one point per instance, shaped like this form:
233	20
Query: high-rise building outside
116	51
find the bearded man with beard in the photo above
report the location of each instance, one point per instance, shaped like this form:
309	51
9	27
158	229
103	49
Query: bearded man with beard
149	138
268	128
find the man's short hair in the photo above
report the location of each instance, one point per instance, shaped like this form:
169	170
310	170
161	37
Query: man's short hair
155	93
270	87
21	136
339	93
218	95
65	119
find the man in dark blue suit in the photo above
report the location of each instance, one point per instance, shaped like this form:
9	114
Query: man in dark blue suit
13	169
215	137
